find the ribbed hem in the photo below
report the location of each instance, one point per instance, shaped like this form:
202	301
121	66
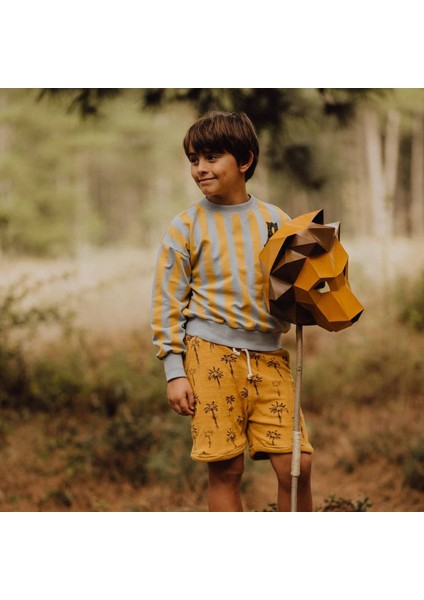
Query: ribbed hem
217	457
173	365
263	452
221	333
226	208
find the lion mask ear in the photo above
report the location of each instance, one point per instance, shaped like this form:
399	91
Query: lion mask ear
336	227
323	231
316	237
314	240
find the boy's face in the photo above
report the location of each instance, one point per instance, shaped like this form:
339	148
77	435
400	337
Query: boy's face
219	176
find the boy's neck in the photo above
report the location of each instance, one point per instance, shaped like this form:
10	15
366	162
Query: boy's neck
239	198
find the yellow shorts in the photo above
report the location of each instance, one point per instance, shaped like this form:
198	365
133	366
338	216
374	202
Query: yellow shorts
232	410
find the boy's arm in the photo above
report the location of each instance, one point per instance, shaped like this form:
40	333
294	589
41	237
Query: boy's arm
171	295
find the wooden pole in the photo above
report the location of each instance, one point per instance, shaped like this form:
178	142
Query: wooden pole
295	465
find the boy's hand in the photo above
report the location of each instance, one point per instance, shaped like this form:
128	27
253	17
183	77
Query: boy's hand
181	397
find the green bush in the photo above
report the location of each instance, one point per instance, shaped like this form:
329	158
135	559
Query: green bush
138	436
57	384
368	370
410	301
414	467
24	382
144	440
127	443
338	504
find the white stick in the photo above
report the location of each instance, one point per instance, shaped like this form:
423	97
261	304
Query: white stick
295	465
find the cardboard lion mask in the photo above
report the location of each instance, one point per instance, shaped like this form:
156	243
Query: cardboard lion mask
305	271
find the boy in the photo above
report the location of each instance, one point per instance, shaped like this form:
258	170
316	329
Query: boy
219	344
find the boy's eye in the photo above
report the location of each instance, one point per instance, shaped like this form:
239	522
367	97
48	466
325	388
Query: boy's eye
210	156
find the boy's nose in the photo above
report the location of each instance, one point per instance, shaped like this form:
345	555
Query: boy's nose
202	166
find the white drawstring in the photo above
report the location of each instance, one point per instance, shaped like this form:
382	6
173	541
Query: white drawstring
249	368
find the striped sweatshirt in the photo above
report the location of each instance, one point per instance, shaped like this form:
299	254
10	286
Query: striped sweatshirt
208	280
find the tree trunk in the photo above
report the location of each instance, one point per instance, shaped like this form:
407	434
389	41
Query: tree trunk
391	161
382	175
374	156
6	191
417	178
82	192
382	169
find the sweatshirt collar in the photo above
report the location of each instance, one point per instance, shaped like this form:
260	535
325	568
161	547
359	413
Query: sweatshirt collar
224	208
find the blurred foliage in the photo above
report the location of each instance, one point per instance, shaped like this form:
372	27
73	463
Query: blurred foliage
414	466
85	101
410	302
67	184
272	110
20	325
367	371
17	315
268	107
124	394
97	167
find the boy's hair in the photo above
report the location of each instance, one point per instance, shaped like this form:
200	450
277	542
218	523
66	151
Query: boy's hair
225	132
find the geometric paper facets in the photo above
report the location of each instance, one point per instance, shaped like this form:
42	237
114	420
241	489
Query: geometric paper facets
305	270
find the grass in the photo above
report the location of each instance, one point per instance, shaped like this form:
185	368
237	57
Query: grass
338	504
413	466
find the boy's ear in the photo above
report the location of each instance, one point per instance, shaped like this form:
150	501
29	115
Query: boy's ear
245	166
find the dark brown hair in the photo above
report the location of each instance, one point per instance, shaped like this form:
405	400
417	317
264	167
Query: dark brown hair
225	132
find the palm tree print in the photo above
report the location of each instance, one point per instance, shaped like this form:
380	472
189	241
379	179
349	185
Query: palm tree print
230	401
229	359
244	393
196	400
240	420
277	384
208	434
277	409
255	379
273	435
194	433
195	344
212	408
216	374
274	363
231	436
256	356
192	372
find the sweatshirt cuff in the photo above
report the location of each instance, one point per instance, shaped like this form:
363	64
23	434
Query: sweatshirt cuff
174	367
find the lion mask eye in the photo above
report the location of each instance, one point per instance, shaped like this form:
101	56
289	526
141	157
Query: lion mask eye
322	287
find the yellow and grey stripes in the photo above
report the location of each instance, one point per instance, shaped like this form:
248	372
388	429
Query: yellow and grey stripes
208	280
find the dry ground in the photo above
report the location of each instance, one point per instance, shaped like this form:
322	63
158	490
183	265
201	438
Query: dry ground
36	478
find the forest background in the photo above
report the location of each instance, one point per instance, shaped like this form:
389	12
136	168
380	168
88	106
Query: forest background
89	180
